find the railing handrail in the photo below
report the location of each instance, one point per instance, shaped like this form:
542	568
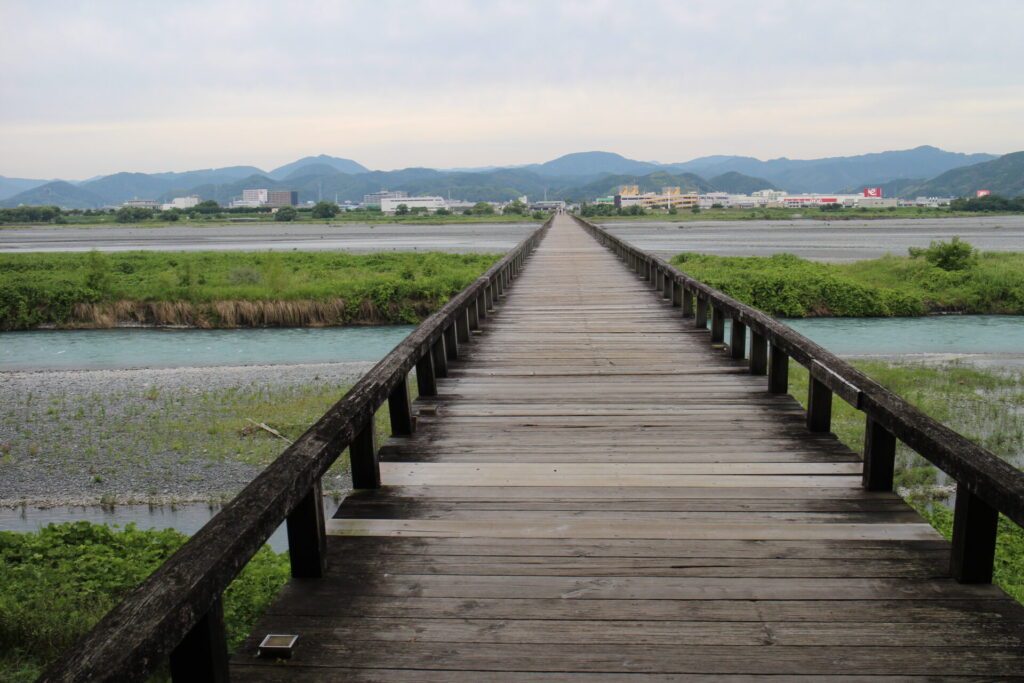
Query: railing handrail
980	471
139	633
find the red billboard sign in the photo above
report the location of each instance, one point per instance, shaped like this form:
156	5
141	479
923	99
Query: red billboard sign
872	192
982	193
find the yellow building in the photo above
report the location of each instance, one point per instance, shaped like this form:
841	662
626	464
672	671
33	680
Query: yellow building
670	198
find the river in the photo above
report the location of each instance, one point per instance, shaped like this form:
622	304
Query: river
996	341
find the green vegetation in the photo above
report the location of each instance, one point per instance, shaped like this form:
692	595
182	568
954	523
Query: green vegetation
983	406
147	437
829	213
228	289
947	276
59	581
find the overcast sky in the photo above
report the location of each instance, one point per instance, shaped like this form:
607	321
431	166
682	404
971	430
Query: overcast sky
89	88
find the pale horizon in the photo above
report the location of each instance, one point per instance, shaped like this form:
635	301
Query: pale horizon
124	86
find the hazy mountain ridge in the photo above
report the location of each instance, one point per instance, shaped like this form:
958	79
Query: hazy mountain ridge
577	176
1003	176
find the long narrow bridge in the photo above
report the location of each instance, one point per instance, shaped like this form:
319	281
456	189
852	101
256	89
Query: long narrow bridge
592	485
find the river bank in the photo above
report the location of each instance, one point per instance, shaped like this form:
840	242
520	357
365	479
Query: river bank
158	436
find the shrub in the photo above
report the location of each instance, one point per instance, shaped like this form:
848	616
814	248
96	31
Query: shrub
952	255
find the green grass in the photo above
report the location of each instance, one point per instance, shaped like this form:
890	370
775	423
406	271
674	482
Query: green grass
146	437
61	580
789	286
983	406
321	287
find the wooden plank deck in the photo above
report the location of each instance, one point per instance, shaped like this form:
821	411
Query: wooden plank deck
596	494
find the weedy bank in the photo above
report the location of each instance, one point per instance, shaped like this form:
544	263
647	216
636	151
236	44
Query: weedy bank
945	277
229	289
986	407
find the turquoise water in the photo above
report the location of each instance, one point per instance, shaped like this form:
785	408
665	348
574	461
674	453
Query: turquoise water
977	335
159	348
967	334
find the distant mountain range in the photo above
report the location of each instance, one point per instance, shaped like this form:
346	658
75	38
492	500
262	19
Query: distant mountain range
582	175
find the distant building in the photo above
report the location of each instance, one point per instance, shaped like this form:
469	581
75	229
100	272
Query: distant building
257	196
669	198
277	198
375	198
182	202
137	203
390	204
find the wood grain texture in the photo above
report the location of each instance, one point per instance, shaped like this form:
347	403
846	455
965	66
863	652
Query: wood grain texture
595	493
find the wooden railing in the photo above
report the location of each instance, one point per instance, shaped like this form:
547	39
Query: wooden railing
177	613
985	484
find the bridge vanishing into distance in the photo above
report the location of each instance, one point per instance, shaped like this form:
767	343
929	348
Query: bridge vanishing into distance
594	485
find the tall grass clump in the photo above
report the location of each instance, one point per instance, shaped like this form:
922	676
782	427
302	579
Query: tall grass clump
227	289
58	582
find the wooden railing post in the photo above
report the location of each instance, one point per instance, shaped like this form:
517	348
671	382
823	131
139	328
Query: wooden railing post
687	303
400	409
202	656
677	294
738	340
489	297
481	305
700	318
717	325
307	536
437	350
667	285
426	382
474	315
879	456
365	467
975	523
462	326
758	353
778	371
451	343
819	406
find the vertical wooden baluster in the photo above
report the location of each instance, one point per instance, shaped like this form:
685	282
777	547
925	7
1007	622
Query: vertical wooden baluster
687	303
758	353
975	524
400	409
489	297
879	456
677	294
462	326
474	315
440	357
202	656
819	406
363	458
666	289
426	383
738	340
481	305
778	371
451	344
307	536
717	325
700	318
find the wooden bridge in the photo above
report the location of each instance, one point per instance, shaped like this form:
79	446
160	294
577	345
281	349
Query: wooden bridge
592	485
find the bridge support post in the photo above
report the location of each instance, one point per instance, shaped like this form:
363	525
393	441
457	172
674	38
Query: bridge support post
363	458
440	357
700	318
489	297
307	537
426	383
668	285
974	538
677	294
879	456
738	340
819	406
778	371
481	305
758	353
717	325
400	409
474	315
203	654
451	344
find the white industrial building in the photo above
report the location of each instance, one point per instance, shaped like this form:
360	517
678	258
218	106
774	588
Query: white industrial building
390	204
